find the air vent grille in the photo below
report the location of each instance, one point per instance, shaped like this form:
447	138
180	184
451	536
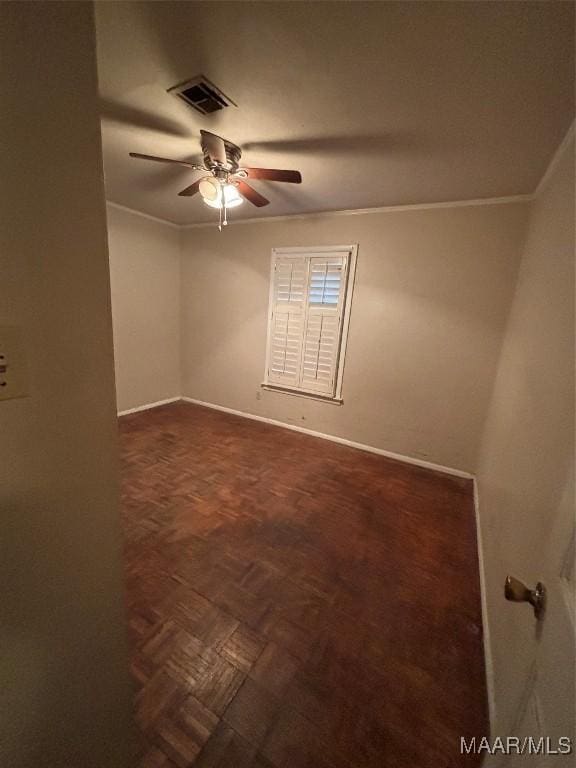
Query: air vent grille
202	95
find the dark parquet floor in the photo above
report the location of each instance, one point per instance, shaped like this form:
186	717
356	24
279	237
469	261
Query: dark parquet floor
294	603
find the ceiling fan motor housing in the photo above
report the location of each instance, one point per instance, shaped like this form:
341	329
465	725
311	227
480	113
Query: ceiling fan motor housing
233	155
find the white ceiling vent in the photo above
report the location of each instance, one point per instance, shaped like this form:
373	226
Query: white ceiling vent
202	95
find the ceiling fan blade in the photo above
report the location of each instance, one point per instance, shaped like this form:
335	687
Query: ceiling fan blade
274	174
214	147
192	189
166	160
251	195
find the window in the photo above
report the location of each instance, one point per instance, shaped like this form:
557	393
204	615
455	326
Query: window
310	296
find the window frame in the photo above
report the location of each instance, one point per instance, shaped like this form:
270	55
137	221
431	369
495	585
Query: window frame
351	251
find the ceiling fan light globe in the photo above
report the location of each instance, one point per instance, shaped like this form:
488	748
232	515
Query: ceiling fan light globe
210	190
231	196
217	204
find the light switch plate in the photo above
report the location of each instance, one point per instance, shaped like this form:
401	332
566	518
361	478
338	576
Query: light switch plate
13	367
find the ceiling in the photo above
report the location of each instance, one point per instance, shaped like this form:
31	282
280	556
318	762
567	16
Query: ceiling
376	103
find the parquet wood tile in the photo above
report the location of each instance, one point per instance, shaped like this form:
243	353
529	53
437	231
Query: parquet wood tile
252	712
243	648
155	758
219	686
274	669
294	603
161	694
227	749
183	733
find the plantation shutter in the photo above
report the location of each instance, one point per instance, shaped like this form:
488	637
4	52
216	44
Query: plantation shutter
308	301
326	284
287	320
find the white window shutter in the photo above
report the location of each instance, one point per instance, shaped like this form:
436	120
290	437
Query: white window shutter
310	293
327	281
287	321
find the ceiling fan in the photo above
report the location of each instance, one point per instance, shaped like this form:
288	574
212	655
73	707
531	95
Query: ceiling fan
224	183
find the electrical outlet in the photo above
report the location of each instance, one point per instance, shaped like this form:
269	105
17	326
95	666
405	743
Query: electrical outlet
13	369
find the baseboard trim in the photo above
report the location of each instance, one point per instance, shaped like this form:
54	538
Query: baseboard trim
148	406
335	439
488	660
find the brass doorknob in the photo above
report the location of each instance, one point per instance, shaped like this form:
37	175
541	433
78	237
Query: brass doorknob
519	593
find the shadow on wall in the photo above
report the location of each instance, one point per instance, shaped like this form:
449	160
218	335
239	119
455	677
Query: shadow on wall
135	117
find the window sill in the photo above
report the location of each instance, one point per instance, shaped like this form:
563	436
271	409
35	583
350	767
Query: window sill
302	393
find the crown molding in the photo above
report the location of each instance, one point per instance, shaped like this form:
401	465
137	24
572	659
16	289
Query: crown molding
148	216
382	209
350	212
556	157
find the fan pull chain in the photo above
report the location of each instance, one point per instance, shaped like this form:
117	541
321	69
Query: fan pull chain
222	221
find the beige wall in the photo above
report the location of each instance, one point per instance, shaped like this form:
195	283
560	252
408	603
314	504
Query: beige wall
145	283
526	467
64	689
432	291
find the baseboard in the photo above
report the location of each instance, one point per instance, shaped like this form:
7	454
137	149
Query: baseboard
149	405
488	661
335	439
